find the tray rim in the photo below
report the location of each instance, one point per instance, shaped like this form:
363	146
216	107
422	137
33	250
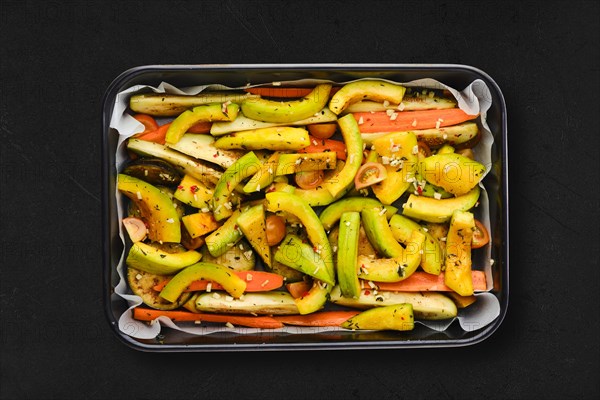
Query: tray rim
107	105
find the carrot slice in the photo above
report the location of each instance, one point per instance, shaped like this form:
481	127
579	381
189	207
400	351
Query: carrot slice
284	92
423	282
148	314
200	127
410	120
148	122
156	136
323	318
321	145
256	281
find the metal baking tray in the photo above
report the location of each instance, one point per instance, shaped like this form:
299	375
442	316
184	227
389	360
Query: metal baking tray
234	75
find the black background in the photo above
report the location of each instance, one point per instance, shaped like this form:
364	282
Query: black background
58	57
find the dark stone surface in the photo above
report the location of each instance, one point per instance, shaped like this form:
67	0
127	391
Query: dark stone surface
58	57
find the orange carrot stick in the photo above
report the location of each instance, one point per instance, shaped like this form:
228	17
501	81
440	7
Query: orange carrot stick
148	314
321	145
423	282
410	120
284	92
256	281
156	136
148	122
323	318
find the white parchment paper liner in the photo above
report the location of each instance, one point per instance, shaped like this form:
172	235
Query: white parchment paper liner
474	99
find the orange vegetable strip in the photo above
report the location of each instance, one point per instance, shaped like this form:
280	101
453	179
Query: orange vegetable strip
148	122
200	127
284	92
423	282
323	318
148	314
320	145
156	136
410	120
256	281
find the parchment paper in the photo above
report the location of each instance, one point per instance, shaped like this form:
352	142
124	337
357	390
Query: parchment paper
474	99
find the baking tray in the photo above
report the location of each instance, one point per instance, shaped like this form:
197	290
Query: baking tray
233	75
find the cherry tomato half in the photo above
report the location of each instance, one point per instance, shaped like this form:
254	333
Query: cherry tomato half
369	174
481	237
275	228
309	179
322	131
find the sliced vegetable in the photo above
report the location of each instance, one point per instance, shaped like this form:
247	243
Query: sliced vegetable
156	261
204	113
194	192
252	223
398	317
156	208
410	102
278	201
246	166
169	105
315	299
141	283
136	229
199	224
264	322
275	229
297	162
298	289
365	90
153	170
398	153
323	145
283	92
369	174
148	122
455	173
289	111
269	303
185	164
461	135
202	147
157	136
481	237
342	181
317	319
332	214
256	281
200	127
433	210
322	131
347	269
433	255
424	282
302	257
308	180
410	120
242	123
278	138
458	253
232	283
426	305
238	257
